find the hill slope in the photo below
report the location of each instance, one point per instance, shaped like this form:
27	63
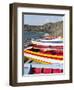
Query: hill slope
54	29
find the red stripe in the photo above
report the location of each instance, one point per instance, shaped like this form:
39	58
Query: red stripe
46	70
52	52
56	52
57	70
37	70
42	46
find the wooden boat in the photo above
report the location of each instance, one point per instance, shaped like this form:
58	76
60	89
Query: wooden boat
45	51
42	68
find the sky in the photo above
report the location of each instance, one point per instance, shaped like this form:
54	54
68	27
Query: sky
41	19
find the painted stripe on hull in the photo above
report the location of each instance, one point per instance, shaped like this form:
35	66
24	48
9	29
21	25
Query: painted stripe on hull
42	58
42	46
47	44
44	55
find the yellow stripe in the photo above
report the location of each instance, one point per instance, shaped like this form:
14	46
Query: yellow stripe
54	56
39	61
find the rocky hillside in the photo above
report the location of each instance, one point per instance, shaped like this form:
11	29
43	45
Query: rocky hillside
55	29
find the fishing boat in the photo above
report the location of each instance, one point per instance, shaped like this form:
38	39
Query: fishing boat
48	42
45	50
30	68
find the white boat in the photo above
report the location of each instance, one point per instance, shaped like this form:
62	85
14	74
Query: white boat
29	66
53	66
47	42
52	40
